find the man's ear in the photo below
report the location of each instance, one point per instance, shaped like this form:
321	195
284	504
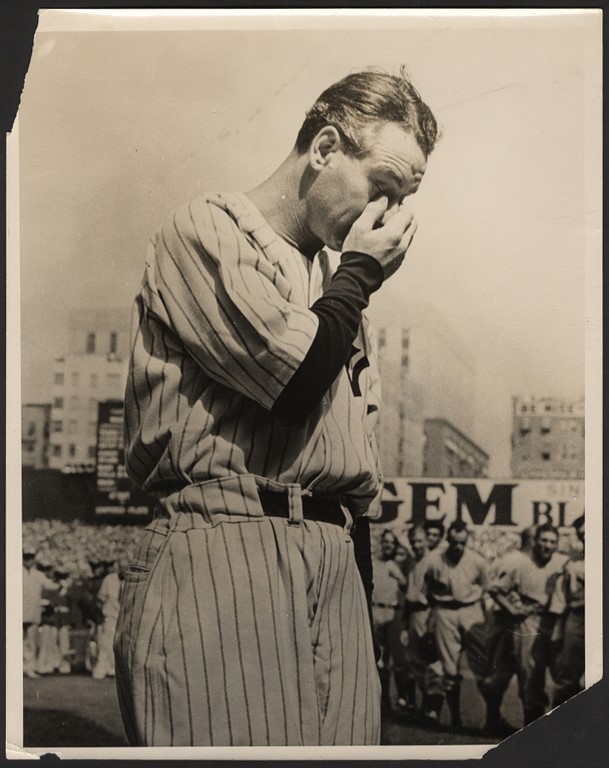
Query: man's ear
324	147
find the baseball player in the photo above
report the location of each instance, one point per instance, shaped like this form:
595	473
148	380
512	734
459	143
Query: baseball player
498	636
523	590
454	581
421	659
250	408
434	530
570	600
389	581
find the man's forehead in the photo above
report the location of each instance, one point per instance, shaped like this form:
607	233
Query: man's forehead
389	143
459	535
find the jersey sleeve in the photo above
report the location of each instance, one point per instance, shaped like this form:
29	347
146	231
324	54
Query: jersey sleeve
227	302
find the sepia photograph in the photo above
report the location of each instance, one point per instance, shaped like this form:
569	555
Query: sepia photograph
304	382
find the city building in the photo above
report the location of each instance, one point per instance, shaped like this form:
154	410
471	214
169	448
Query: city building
427	372
450	453
93	370
548	438
35	422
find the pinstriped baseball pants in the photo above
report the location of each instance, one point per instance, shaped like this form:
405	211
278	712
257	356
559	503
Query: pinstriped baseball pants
252	632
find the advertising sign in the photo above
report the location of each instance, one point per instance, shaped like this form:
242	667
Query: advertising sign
511	503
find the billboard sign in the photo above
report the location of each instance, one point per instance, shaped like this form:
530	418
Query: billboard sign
507	503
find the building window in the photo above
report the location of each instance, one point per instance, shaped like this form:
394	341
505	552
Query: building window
405	339
56	450
58	402
404	361
546	456
75	378
59	378
92	405
72	450
524	431
90	343
113	342
92	451
382	338
545	430
72	427
57	426
31	429
93	381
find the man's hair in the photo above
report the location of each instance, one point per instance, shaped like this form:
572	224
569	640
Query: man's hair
372	98
433	525
416	529
458	526
578	522
546	528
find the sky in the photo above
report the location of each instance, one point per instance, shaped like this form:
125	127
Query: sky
116	128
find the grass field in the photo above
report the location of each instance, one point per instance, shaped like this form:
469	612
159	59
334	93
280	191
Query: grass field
77	711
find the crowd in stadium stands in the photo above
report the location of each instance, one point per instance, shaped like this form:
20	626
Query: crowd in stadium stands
72	576
430	610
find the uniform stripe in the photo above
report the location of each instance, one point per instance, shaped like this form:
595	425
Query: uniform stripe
183	651
275	633
222	659
202	644
238	636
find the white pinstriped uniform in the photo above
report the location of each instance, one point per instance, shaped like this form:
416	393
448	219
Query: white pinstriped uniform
236	628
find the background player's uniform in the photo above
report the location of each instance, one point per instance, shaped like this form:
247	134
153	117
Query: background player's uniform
421	659
534	585
455	591
570	601
237	627
388	582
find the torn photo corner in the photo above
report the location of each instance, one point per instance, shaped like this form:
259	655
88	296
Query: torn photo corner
464	421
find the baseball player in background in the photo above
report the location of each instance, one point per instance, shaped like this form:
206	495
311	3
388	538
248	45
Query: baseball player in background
499	642
454	580
389	582
569	601
250	410
421	659
523	589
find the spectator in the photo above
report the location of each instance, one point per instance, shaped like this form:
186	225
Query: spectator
34	581
108	600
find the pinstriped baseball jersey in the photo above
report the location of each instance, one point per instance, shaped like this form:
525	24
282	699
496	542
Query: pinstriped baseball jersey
221	323
236	628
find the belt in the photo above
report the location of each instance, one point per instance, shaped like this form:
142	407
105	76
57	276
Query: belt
453	605
322	509
384	605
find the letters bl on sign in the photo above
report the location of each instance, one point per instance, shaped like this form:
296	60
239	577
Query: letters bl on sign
517	503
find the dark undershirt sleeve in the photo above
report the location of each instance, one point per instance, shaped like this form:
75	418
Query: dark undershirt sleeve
339	312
